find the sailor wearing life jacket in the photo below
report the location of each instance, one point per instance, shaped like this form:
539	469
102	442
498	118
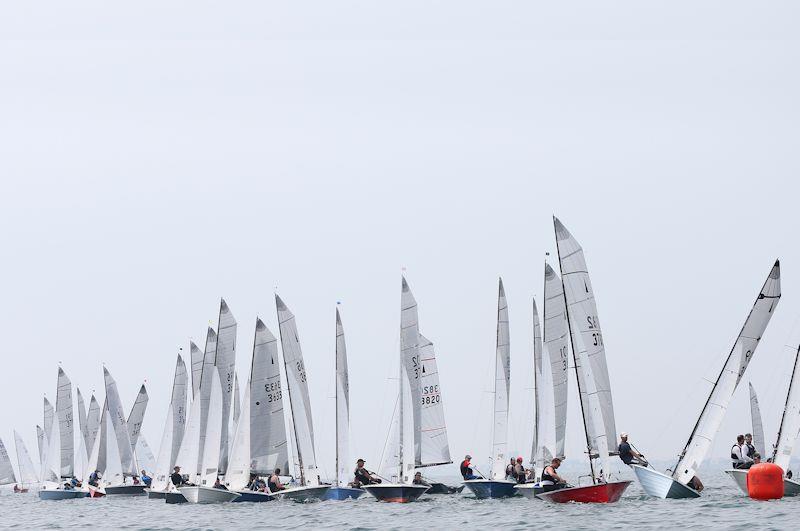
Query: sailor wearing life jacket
739	454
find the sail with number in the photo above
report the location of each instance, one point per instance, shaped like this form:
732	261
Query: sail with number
542	447
196	359
177	408
790	420
6	469
758	426
343	472
584	321
136	416
225	361
502	386
66	428
410	358
119	426
556	345
92	422
718	400
434	448
27	472
299	401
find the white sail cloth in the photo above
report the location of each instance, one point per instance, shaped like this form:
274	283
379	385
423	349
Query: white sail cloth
343	465
83	419
410	362
66	427
225	361
790	421
204	391
434	448
6	469
136	416
502	385
27	472
211	452
196	359
742	352
758	425
92	422
190	446
542	449
556	345
177	406
239	466
120	426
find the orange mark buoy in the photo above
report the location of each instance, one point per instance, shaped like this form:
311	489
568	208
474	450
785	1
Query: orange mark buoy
765	482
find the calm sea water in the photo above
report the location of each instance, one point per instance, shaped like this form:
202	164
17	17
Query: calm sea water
722	506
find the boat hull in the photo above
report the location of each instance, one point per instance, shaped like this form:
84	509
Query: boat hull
601	493
208	495
304	494
174	497
441	488
96	492
155	494
740	478
396	493
253	496
791	487
489	488
661	485
125	490
343	493
529	490
57	494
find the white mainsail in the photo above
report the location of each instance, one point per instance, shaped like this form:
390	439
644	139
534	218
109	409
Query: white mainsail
66	428
6	469
196	359
177	408
49	418
82	418
410	359
502	386
298	395
225	361
790	421
211	452
268	446
556	344
237	403
204	392
136	416
116	412
434	448
27	472
163	467
718	400
758	425
92	422
585	325
238	475
342	408
543	436
41	441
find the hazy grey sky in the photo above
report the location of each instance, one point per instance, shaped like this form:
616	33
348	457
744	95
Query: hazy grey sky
158	156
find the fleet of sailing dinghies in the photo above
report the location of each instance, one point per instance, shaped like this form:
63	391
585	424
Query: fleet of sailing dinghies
226	440
680	483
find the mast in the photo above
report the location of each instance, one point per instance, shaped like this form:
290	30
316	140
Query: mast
575	360
786	406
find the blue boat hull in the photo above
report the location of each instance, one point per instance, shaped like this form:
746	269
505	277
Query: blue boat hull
483	489
174	497
253	496
343	493
57	494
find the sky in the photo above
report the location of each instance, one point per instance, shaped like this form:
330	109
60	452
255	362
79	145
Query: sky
157	156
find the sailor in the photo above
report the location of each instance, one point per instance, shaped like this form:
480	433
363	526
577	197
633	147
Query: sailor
756	458
466	468
419	481
628	455
17	488
219	485
519	471
176	477
75	483
274	482
510	469
550	479
147	480
94	478
739	454
363	476
750	450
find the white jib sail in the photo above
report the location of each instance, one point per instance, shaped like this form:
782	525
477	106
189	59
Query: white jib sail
66	427
502	385
238	474
211	452
225	361
268	446
409	355
27	472
342	408
136	416
583	310
163	467
41	441
717	404
196	359
82	418
435	449
92	422
556	345
144	455
298	395
543	436
51	470
190	446
758	426
120	424
204	392
113	473
6	469
790	421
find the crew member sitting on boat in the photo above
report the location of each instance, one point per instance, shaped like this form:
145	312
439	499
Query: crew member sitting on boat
363	476
510	469
147	480
550	479
218	485
628	455
419	481
739	454
17	488
519	471
466	469
176	477
756	458
94	478
274	482
750	450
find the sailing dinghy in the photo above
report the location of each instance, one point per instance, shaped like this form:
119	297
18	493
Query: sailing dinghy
120	444
496	485
677	485
341	489
7	475
594	387
27	473
739	476
310	488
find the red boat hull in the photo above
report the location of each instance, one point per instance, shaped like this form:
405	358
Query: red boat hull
602	493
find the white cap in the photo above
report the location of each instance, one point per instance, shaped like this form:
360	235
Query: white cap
623	434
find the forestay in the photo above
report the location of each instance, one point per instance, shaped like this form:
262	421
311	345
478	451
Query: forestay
6	470
556	341
758	426
136	416
434	449
582	310
66	426
268	447
717	404
790	421
120	427
27	472
225	361
298	395
502	384
342	408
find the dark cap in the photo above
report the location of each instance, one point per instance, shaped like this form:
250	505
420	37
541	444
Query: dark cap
360	461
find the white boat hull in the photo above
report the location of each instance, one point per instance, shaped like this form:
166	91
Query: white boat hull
304	494
207	495
661	485
740	478
529	490
791	487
